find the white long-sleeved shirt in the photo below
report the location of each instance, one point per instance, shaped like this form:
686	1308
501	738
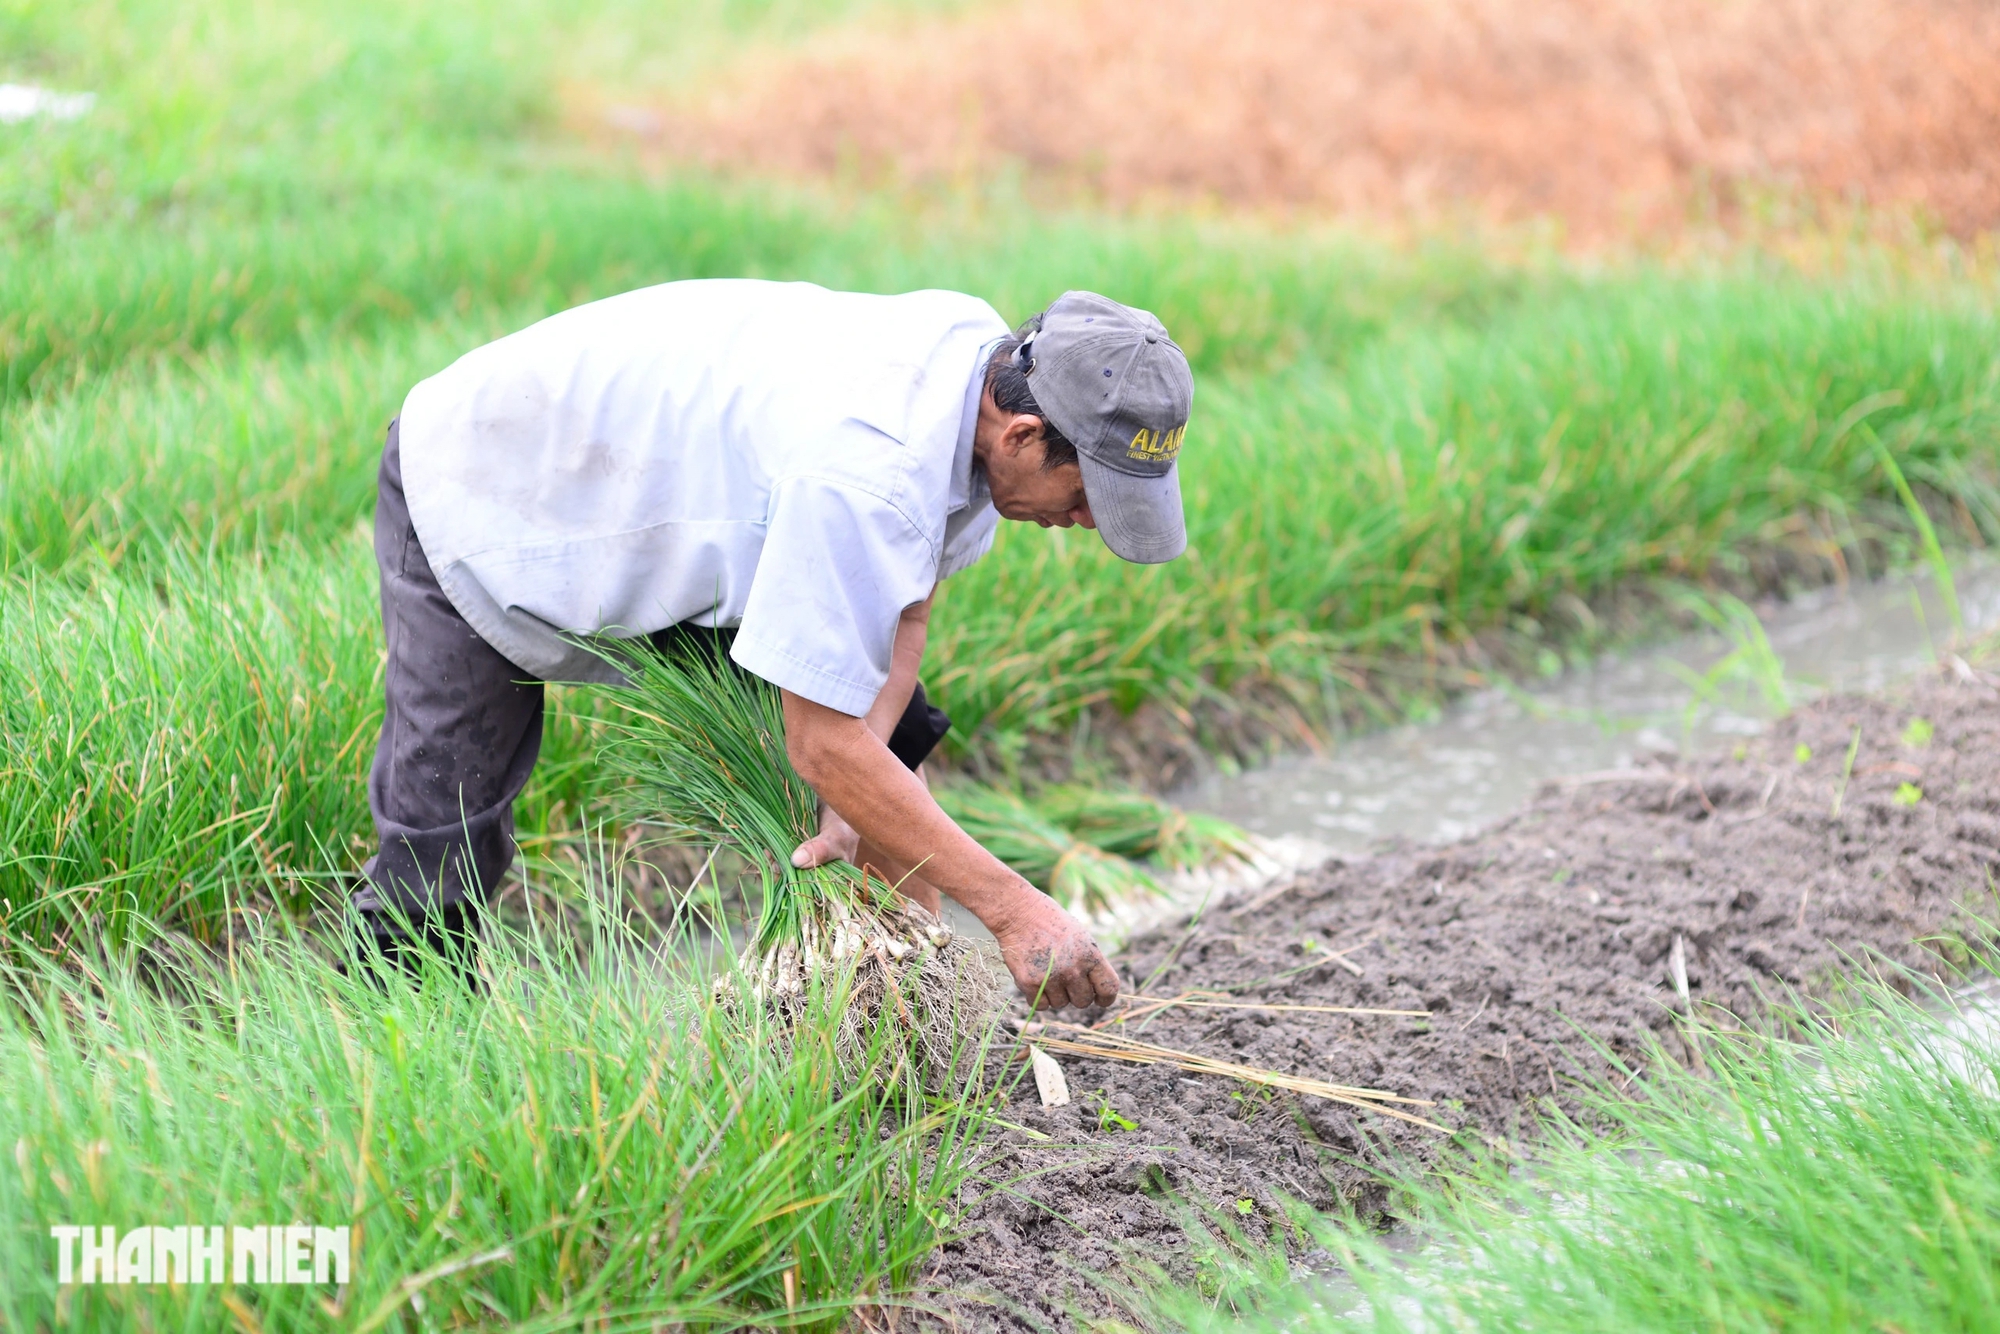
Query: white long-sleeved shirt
773	456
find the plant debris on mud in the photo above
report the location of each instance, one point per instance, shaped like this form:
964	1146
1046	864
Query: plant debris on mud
1803	854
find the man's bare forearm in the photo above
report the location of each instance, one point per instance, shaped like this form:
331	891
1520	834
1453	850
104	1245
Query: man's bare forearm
1053	960
853	771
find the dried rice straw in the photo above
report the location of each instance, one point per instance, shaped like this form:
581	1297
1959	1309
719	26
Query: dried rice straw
1144	1007
1116	1047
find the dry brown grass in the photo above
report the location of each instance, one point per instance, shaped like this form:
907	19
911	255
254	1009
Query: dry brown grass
1617	118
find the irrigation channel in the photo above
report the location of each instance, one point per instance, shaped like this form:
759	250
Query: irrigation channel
1626	842
1489	753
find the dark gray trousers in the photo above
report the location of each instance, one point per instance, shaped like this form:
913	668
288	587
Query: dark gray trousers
461	731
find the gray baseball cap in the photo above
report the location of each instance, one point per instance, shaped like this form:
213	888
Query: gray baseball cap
1120	390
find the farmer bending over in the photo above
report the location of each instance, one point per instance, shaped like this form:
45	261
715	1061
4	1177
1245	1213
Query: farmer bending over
797	469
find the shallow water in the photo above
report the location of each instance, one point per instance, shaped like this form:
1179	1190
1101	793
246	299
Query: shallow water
1972	1028
1486	756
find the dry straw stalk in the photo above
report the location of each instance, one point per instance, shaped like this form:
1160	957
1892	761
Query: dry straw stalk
1078	1040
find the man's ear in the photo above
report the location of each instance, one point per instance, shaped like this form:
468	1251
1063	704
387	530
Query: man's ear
1021	433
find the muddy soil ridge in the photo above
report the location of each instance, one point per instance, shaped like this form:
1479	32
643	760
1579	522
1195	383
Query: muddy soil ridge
1555	924
1636	116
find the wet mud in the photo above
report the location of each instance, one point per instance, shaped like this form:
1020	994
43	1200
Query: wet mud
1777	865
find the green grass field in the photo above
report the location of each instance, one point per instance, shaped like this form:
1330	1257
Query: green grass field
215	290
583	1148
220	284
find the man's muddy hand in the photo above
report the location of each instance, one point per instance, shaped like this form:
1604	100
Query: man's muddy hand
1054	961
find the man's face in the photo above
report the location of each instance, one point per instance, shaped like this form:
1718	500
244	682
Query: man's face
1023	490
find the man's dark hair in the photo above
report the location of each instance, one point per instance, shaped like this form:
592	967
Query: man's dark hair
1009	387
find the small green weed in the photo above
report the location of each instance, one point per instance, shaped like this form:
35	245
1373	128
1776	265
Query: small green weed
1919	733
1907	794
1750	658
1846	772
1109	1118
1253	1100
1933	552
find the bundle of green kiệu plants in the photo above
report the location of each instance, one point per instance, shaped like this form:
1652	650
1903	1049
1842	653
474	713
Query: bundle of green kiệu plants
1132	824
702	747
1080	844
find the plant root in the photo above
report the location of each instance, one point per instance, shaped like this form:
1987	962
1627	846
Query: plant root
887	960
